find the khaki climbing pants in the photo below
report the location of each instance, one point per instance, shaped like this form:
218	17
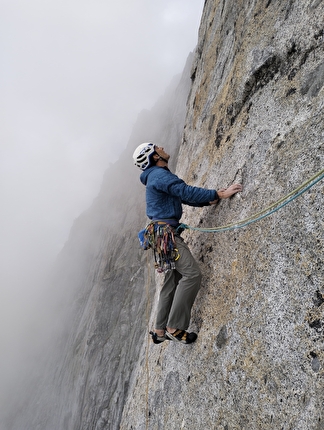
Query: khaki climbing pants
179	291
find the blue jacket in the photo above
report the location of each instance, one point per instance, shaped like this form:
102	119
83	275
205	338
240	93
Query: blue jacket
165	193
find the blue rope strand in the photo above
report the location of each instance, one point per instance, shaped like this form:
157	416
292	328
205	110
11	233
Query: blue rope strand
238	225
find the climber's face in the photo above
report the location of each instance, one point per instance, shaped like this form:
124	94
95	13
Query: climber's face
160	151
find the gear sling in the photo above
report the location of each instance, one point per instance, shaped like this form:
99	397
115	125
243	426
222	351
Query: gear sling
159	236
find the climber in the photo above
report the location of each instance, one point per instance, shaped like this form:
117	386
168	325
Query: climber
165	194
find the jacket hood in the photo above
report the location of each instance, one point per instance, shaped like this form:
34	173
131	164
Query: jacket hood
145	174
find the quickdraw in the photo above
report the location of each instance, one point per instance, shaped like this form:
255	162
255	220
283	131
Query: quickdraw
159	236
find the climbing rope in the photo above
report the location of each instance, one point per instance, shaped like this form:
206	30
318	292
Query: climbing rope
265	212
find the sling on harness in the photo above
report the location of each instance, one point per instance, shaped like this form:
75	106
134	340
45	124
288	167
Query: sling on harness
159	236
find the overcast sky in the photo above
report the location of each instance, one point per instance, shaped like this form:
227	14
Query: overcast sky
74	75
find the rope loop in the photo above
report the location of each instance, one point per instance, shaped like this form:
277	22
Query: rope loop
265	212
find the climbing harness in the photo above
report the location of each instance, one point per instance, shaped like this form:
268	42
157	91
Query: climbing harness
159	236
265	212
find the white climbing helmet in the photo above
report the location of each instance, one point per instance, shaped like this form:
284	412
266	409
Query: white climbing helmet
142	155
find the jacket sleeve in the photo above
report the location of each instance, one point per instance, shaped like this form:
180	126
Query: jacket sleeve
198	205
189	195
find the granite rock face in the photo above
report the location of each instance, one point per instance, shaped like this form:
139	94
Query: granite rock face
254	115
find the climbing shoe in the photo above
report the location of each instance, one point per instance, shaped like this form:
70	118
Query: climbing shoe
156	338
182	336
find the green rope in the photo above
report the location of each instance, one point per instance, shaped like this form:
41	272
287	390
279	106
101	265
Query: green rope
265	212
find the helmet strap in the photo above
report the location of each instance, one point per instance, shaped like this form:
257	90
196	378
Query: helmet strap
163	159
